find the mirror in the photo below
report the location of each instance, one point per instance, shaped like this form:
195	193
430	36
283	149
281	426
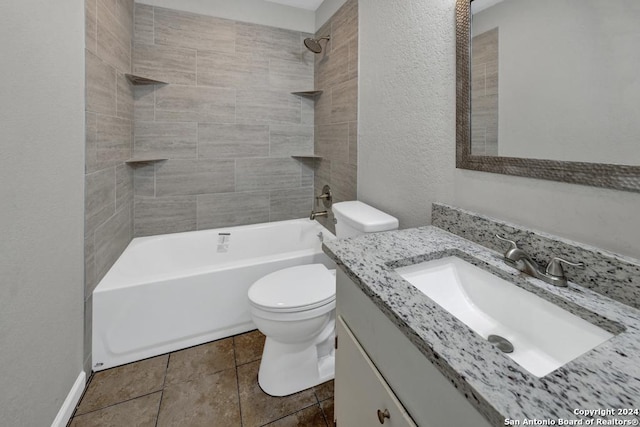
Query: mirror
549	89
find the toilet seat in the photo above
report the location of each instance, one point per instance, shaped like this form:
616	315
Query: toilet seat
294	289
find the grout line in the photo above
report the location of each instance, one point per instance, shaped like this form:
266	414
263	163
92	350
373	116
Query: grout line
118	403
160	405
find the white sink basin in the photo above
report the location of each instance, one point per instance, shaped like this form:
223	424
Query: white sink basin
543	335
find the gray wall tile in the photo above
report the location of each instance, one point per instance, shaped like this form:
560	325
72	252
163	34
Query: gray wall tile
144	103
165	63
111	239
100	85
182	177
91	142
290	140
195	104
89	266
336	134
290	76
334	68
267	106
291	204
164	215
100	198
344	24
232	70
124	97
124	185
245	117
268	42
109	140
144	180
229	209
267	174
143	23
232	140
91	25
332	141
308	167
343	181
115	136
165	140
353	143
184	29
114	41
344	102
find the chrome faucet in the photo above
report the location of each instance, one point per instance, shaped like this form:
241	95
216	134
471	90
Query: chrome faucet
553	273
315	214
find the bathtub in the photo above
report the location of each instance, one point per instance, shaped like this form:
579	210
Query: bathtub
174	291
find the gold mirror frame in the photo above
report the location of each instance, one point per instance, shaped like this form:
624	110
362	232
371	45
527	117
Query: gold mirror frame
619	177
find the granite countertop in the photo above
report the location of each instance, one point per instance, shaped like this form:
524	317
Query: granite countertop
607	377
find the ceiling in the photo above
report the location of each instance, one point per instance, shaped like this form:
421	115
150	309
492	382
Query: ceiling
300	4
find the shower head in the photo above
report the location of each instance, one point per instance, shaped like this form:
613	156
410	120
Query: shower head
314	44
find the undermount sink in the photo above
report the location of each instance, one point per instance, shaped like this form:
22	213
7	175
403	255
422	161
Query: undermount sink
543	335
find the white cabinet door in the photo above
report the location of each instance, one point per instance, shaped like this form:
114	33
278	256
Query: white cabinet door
360	391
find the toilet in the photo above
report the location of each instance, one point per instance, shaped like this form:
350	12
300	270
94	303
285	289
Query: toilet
295	309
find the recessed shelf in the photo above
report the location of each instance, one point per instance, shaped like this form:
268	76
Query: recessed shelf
307	156
140	81
308	93
143	160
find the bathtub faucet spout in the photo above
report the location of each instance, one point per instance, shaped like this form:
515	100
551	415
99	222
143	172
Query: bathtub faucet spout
315	214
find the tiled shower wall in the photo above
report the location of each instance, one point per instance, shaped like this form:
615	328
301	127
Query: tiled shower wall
226	121
109	142
484	94
336	113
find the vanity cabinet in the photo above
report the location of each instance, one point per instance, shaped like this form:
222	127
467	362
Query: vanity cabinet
365	398
378	368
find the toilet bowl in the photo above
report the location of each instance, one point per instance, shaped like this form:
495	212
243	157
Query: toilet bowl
295	309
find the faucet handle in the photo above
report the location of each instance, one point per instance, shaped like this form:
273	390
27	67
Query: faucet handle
554	268
514	245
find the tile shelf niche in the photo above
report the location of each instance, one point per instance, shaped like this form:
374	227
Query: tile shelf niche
307	156
135	161
142	81
308	93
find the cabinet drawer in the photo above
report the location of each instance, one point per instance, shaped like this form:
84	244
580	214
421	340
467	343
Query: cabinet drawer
360	391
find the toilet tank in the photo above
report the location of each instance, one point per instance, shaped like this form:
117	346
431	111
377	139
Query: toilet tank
354	218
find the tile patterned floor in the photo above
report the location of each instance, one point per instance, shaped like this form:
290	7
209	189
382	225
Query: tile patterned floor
214	384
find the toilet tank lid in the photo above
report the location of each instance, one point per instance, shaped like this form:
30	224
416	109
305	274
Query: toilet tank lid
364	217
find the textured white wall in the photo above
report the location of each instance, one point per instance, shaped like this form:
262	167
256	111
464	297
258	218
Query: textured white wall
407	138
406	153
254	11
41	207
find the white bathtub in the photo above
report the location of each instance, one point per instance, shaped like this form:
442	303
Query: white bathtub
173	291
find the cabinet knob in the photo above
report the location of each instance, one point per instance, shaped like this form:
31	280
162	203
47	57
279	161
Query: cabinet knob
382	415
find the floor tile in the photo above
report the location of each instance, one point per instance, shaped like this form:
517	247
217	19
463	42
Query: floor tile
327	409
196	362
210	401
124	383
324	391
249	347
140	412
308	417
258	408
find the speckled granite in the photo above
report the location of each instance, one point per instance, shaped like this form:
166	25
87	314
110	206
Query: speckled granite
607	273
606	377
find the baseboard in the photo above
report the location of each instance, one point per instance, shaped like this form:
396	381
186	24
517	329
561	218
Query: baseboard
65	412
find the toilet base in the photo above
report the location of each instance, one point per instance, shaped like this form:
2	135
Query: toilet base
289	368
